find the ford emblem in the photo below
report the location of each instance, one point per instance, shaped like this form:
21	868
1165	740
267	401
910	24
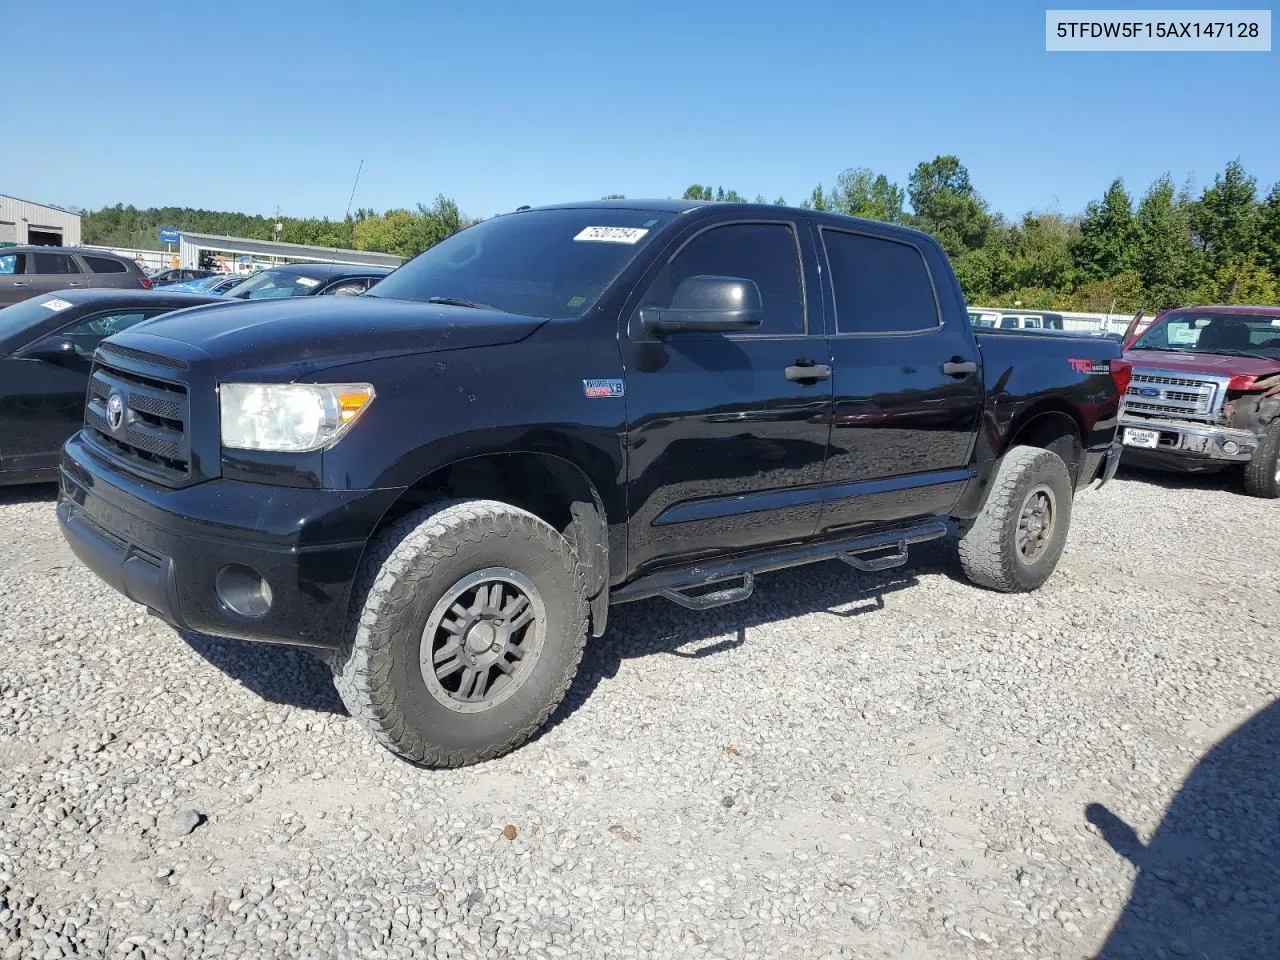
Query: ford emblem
1149	392
115	412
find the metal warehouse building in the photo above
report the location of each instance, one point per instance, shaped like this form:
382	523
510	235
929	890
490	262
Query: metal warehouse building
22	223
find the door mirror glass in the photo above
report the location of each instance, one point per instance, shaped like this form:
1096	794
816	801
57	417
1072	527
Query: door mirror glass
707	304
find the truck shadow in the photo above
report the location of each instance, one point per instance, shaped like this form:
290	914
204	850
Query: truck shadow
1230	481
29	493
1208	883
286	675
659	627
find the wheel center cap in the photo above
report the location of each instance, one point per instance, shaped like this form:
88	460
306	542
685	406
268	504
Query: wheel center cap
481	637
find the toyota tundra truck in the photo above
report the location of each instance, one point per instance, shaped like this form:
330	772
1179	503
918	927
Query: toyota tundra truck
1205	394
443	484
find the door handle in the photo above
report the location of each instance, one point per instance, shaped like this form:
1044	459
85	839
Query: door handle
19	283
805	371
959	367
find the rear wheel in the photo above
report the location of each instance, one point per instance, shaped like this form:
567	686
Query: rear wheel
1262	473
466	630
1015	543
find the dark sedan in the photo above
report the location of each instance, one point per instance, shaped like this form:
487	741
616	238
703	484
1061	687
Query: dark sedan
46	347
308	280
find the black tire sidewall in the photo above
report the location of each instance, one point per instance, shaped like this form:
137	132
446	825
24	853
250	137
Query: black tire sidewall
450	730
1260	472
1047	470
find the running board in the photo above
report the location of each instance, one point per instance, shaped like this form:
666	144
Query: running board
714	598
676	583
884	562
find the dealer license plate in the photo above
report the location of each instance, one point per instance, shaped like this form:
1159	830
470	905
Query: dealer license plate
1142	438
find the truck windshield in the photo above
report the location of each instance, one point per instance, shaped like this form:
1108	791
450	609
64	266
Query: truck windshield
541	263
1238	334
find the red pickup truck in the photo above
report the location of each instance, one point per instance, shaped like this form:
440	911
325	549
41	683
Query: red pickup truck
1205	393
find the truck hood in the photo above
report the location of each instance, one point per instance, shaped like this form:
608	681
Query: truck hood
297	336
1213	364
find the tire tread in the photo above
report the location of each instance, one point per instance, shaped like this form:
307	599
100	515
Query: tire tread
393	567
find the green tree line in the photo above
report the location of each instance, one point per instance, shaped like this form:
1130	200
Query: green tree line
1167	247
403	232
1170	247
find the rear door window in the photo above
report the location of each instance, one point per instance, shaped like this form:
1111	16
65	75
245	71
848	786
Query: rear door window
104	265
880	285
12	263
53	263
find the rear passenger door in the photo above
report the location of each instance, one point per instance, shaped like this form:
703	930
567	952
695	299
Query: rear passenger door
725	444
53	271
908	387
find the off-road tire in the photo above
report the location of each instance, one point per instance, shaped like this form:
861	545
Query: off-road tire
1262	473
404	574
989	552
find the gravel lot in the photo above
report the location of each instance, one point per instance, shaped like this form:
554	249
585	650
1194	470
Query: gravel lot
848	765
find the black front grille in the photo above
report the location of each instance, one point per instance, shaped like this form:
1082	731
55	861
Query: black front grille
142	356
150	436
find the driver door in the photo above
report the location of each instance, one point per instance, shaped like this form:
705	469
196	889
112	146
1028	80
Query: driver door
727	436
43	386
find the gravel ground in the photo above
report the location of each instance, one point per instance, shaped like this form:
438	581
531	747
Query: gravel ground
848	765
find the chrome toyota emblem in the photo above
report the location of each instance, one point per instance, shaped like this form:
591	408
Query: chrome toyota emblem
115	411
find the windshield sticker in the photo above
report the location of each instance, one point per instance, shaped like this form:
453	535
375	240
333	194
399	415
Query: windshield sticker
612	234
308	282
55	304
1276	322
577	301
650	223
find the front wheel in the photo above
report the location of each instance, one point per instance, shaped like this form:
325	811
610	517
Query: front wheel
1015	543
467	627
1262	473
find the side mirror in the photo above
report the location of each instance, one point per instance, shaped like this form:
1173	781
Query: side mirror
53	348
707	304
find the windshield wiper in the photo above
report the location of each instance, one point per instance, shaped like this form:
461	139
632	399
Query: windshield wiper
459	302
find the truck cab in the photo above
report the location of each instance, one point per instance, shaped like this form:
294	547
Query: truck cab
1205	393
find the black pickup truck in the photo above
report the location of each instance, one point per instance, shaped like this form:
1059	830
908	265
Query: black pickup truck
443	484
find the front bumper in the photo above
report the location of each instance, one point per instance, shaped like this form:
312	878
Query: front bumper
1191	445
165	548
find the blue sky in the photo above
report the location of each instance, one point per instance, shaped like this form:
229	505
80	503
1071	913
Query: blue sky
502	104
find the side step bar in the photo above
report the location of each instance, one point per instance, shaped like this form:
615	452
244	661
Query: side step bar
675	584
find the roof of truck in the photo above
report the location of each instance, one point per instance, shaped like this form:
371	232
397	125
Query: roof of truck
685	206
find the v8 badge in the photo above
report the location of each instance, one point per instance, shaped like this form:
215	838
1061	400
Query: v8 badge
603	388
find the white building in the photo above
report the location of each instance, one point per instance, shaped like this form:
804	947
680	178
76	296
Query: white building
22	223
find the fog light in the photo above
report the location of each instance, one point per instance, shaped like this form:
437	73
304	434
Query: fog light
242	591
1230	447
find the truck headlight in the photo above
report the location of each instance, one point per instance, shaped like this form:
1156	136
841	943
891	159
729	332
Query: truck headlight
289	417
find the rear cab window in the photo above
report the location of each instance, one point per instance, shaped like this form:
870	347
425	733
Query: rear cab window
880	285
